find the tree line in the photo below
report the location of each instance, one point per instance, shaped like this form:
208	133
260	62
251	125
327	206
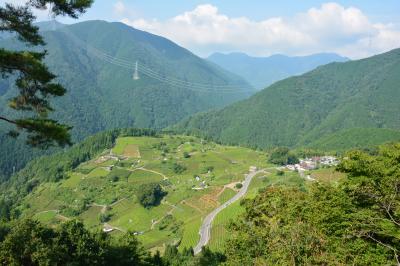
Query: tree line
29	242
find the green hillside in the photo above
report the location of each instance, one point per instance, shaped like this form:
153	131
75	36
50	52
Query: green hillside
301	110
101	94
356	138
104	191
99	184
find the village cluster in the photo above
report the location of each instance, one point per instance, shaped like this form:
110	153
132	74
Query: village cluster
313	163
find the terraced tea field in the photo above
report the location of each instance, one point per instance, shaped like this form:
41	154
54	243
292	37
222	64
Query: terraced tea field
198	176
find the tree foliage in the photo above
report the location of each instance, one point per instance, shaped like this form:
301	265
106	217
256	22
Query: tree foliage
150	195
374	186
172	257
102	96
178	168
339	105
354	223
34	81
29	242
282	156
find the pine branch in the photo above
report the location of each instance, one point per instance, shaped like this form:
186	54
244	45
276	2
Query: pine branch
8	120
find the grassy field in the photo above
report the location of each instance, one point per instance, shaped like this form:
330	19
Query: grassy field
196	174
328	175
191	233
219	232
226	195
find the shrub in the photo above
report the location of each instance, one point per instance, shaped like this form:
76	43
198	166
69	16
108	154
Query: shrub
150	195
238	185
178	169
282	156
104	217
207	169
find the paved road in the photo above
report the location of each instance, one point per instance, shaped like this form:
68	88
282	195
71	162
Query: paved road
205	229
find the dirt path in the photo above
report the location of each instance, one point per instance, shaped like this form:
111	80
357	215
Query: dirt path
168	213
152	171
220	192
144	169
56	211
103	207
58	215
62	217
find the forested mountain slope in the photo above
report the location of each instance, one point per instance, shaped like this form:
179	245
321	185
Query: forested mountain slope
263	71
90	59
298	111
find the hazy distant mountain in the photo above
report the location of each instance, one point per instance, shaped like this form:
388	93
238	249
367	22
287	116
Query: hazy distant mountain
263	71
94	61
316	109
43	26
49	25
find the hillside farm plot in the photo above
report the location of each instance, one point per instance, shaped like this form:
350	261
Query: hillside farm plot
131	150
219	231
194	174
226	194
328	175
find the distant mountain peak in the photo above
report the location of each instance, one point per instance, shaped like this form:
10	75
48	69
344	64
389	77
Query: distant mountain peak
263	71
335	106
49	25
95	61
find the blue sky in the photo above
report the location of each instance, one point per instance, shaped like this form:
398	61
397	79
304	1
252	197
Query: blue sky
383	11
356	29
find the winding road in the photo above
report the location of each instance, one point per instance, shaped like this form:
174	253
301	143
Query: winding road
205	229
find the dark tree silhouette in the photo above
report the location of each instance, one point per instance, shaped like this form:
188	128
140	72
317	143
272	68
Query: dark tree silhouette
35	83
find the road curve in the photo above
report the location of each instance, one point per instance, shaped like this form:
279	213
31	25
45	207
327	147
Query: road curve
205	229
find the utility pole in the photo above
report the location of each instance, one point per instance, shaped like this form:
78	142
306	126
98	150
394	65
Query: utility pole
136	73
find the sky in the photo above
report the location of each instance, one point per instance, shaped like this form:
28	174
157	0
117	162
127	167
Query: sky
355	29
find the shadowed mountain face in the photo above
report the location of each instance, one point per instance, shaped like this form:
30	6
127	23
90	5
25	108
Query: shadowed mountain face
263	71
314	108
95	61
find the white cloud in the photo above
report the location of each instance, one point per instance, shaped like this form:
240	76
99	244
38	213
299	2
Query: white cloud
119	8
328	28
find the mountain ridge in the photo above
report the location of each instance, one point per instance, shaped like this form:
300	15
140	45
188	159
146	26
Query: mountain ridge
299	110
101	93
263	71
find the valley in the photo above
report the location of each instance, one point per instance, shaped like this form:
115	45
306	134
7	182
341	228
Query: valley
198	177
102	94
264	71
335	107
200	180
212	134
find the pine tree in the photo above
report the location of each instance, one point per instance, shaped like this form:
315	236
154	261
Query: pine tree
33	80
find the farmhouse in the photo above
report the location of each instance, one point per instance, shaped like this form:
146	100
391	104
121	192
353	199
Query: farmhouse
107	228
313	163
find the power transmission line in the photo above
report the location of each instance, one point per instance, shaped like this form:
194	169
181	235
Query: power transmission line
202	87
